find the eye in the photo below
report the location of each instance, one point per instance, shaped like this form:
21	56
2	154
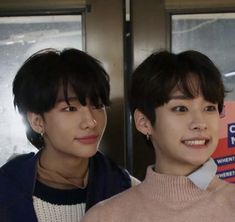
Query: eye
179	109
70	109
99	106
211	108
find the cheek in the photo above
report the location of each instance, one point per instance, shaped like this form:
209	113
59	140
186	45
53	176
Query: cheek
57	126
214	125
216	128
164	129
56	131
169	126
101	119
170	134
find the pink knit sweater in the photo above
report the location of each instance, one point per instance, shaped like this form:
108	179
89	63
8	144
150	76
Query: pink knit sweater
167	198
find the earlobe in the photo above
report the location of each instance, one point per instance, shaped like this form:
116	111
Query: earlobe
36	122
142	123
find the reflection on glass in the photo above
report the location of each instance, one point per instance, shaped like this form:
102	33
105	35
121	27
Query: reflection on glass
212	34
19	38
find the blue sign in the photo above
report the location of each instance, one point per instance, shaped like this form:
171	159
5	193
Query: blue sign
231	135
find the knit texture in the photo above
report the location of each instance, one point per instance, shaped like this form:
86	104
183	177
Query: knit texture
57	205
167	198
53	204
46	211
17	187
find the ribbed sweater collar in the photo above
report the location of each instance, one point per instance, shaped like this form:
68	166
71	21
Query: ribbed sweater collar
164	187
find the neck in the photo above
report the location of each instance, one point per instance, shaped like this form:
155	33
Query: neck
170	167
67	166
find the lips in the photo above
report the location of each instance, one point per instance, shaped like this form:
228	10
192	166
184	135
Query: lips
88	139
202	142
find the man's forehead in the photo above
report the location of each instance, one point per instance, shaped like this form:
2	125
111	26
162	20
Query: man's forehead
69	93
177	91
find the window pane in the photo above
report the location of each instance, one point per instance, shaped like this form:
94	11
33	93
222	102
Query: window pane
214	35
211	34
19	38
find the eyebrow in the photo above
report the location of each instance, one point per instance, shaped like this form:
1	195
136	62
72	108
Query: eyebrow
184	97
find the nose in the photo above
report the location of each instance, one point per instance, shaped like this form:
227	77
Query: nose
197	123
87	118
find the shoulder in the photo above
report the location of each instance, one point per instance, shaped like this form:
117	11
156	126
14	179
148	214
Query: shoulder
14	168
228	187
17	177
116	208
101	163
223	190
15	161
105	162
226	196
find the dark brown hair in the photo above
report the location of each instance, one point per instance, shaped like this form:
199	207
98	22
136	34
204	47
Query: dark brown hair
154	79
38	81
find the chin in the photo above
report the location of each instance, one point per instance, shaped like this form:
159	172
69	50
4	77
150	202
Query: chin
88	153
199	161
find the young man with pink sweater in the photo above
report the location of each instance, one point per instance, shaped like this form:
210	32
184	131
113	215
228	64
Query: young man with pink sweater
176	101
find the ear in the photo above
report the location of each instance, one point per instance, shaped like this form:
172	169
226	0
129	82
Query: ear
142	123
36	122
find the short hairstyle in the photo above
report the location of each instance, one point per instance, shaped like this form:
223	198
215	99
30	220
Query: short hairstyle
154	79
36	84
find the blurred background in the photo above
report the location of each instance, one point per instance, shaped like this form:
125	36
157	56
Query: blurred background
121	34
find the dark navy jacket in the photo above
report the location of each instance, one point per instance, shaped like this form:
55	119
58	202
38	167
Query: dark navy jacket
18	176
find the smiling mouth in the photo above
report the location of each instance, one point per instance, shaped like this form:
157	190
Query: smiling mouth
197	142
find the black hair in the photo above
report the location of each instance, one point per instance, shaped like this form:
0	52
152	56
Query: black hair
36	84
157	76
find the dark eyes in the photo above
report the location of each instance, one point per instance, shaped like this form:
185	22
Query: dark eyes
210	108
179	109
70	109
74	108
